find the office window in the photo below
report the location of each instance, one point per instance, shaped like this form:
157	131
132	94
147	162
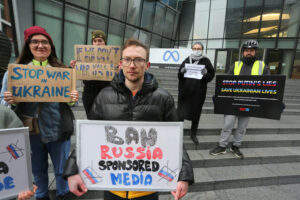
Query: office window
175	26
169	23
159	20
79	3
251	21
231	44
148	14
145	37
166	43
186	21
286	44
290	19
234	18
118	9
155	41
296	68
96	22
75	25
217	19
298	45
214	44
49	16
131	32
115	33
270	18
99	6
201	19
134	12
263	44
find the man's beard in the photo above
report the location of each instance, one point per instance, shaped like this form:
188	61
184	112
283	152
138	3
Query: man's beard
249	60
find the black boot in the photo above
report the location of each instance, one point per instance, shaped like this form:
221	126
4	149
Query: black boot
194	137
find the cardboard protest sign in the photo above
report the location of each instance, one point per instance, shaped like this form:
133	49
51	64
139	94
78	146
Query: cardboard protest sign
15	164
253	96
97	62
138	156
194	71
40	84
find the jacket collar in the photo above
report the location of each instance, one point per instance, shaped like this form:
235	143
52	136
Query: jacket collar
150	83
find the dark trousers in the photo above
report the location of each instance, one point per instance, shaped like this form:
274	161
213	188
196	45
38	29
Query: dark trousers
110	196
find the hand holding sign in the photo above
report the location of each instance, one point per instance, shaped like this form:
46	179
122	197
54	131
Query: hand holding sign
40	84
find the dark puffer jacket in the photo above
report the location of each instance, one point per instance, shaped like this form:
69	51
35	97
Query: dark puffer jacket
149	104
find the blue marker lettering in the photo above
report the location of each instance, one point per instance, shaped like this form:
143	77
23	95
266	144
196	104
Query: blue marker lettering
126	179
26	91
79	50
51	74
46	91
19	75
115	179
36	91
66	75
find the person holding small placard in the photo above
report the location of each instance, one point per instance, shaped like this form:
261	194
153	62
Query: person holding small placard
92	87
194	74
50	123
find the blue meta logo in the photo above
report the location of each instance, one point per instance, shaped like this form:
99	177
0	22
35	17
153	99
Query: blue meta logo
171	54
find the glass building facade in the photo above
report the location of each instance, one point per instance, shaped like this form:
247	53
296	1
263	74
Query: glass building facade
221	25
71	22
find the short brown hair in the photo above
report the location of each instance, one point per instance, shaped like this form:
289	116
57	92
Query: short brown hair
135	42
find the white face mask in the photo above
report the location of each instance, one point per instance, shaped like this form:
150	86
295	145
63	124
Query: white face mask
197	53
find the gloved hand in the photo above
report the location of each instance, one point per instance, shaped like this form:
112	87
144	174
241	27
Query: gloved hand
204	71
183	70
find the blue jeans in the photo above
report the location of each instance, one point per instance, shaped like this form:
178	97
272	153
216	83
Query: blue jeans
59	152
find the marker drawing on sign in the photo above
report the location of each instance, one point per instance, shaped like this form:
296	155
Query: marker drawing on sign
91	175
166	173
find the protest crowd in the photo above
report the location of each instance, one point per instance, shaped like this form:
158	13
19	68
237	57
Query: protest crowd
132	94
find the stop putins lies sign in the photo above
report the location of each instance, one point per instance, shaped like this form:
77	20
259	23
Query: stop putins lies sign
129	156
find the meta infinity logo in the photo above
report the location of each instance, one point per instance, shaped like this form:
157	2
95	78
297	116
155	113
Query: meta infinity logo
171	54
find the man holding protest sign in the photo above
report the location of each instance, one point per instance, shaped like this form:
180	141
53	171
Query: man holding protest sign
50	123
92	87
249	65
133	96
194	74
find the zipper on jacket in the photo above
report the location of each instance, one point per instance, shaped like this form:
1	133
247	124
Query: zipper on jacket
126	194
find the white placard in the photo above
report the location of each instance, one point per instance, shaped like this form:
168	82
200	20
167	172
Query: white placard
193	71
168	56
129	156
15	163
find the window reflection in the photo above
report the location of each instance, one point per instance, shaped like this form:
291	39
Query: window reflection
160	12
270	18
217	19
169	23
118	9
234	17
290	18
100	6
253	9
148	14
96	22
134	12
115	33
131	32
75	26
155	41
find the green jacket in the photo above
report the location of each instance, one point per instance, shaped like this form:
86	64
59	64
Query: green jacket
8	118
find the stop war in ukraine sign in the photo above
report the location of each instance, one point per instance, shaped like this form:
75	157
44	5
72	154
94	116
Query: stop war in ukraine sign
138	156
40	84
